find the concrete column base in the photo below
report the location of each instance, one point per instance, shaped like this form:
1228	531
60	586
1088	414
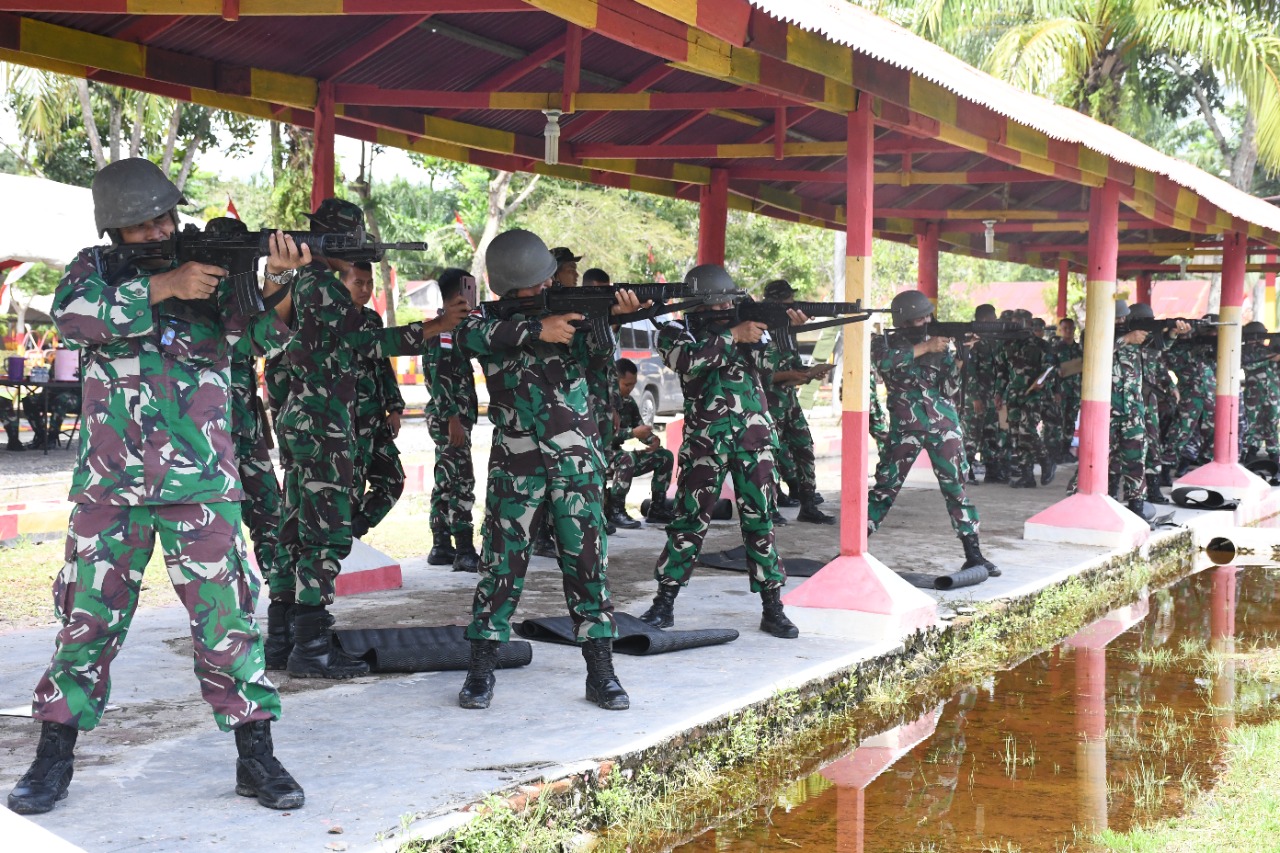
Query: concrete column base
1231	480
367	569
859	596
1087	520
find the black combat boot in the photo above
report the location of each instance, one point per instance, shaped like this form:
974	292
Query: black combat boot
314	654
603	686
279	642
996	473
442	551
1138	507
661	614
467	560
259	774
658	512
779	520
774	620
1028	478
1048	470
15	443
38	436
789	498
1153	490
809	511
49	775
1166	476
542	544
619	518
477	690
973	555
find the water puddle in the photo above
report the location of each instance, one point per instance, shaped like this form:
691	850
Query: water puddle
1117	725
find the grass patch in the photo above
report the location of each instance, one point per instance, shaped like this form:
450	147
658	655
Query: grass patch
1241	812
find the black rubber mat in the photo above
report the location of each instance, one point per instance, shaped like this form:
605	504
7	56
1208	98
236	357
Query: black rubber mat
422	649
634	636
735	560
1198	497
947	582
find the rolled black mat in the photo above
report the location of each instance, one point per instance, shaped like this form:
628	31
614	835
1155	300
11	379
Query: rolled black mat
956	580
634	636
735	560
422	649
1199	497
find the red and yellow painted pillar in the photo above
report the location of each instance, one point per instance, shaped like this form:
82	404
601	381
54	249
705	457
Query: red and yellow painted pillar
1142	288
1268	314
927	260
1225	474
856	592
1091	517
322	159
713	217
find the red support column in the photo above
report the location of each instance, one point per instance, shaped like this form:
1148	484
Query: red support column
927	263
1143	288
1091	517
856	593
713	217
1062	288
1225	474
322	159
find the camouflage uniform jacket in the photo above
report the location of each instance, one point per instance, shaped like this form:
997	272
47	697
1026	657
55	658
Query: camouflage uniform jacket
1126	379
781	398
543	421
1022	362
450	380
1156	380
156	408
920	390
1064	352
628	418
980	368
377	389
244	389
323	357
724	402
1194	361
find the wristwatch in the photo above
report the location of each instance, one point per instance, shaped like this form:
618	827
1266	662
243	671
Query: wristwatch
281	277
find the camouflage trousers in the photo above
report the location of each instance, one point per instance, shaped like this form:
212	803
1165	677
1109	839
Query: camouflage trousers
1051	417
1192	429
946	453
795	460
379	477
513	506
1127	465
96	593
982	433
698	489
261	511
454	491
1025	445
626	465
1070	411
1259	420
877	422
1151	442
315	525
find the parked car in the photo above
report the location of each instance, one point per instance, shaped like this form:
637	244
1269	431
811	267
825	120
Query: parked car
657	390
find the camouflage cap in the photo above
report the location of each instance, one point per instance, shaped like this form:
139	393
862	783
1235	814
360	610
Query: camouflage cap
564	255
334	215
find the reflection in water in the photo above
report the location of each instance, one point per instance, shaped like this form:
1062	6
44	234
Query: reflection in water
1113	726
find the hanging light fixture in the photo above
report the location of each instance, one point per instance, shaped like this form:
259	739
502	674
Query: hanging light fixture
990	234
551	136
1182	266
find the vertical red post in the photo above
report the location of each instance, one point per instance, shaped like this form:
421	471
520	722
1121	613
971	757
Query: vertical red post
1100	288
1062	287
713	218
1143	288
572	66
1226	414
322	159
927	260
1268	312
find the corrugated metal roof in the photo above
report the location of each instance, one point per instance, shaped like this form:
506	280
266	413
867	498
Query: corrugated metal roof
843	23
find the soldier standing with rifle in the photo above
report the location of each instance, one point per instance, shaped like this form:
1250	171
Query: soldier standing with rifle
157	459
452	413
1068	352
727	431
1024	361
922	378
545	460
318	439
981	424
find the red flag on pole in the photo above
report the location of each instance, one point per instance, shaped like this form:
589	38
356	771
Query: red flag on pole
462	229
231	208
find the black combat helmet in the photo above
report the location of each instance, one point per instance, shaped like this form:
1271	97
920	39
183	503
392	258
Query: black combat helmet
708	279
909	305
225	225
1254	328
778	290
1122	309
1141	311
130	192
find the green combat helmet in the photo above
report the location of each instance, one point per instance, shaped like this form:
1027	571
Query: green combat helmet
909	305
130	192
517	259
708	279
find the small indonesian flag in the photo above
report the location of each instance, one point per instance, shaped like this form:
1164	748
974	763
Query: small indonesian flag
461	228
231	208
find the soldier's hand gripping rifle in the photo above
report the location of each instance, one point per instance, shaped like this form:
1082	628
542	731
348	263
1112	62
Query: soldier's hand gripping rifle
595	303
1169	324
238	251
774	315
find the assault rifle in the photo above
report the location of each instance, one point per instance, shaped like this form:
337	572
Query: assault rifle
596	304
1002	329
774	315
1169	323
238	251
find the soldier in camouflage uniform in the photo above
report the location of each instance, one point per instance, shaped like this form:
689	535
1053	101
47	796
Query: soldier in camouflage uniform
1157	385
877	420
261	505
1259	398
1193	360
727	431
378	479
157	460
545	459
451	415
625	465
982	431
922	378
1022	362
317	433
782	373
1128	440
1067	393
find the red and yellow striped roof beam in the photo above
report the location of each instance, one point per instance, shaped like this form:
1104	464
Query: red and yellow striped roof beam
263	8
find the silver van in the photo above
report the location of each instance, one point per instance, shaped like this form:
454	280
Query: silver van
657	390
